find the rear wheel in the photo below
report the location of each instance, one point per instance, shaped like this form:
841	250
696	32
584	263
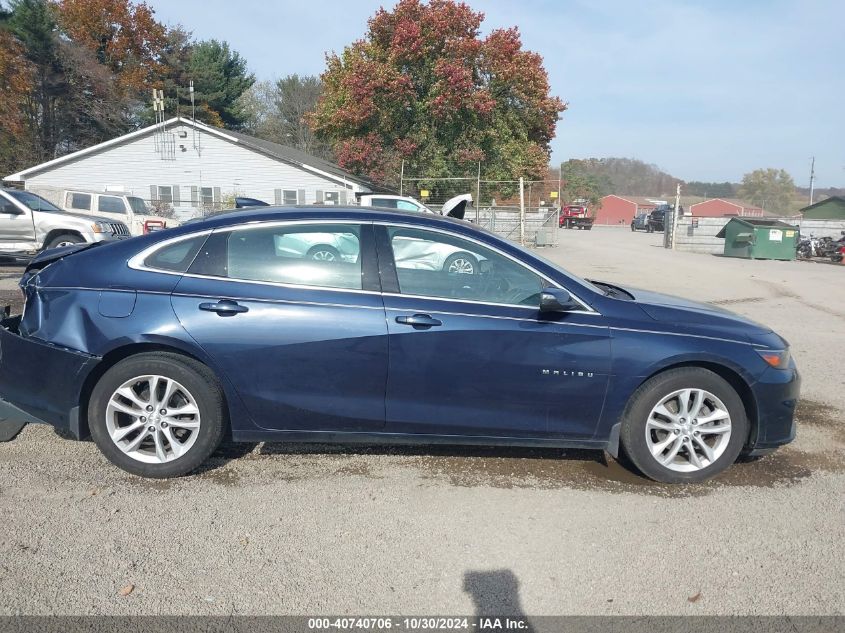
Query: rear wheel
157	415
324	253
461	263
684	425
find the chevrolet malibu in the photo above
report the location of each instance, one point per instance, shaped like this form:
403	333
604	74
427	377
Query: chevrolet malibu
161	346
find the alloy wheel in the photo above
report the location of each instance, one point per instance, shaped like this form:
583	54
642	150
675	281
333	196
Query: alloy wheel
461	266
323	256
688	430
153	419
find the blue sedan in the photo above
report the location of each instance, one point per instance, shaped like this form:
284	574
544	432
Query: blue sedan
355	325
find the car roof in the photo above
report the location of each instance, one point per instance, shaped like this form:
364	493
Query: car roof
321	212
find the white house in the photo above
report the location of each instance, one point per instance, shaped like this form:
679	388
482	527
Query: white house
187	166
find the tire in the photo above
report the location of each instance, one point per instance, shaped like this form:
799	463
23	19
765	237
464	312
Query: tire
324	253
461	263
589	227
64	239
632	228
185	376
640	436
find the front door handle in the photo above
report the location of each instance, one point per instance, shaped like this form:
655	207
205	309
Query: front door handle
419	321
224	307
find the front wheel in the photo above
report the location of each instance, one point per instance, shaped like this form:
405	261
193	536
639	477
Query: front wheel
65	239
157	415
684	425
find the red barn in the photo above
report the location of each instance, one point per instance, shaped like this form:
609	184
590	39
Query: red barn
616	210
720	207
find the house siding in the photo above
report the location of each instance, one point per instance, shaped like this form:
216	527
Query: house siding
223	165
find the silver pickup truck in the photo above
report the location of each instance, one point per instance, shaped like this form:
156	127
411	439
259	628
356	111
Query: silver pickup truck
29	223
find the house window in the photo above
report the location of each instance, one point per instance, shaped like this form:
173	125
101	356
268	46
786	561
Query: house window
165	194
207	195
289	197
80	201
332	197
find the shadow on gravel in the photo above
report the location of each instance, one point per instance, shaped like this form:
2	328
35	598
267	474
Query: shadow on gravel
508	468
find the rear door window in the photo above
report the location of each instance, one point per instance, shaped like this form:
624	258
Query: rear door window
321	255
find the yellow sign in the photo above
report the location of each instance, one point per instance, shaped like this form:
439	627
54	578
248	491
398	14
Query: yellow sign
790	233
553	194
423	193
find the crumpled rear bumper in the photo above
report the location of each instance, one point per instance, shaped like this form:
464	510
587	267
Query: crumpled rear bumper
40	381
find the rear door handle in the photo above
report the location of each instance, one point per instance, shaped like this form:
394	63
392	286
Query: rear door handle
224	307
419	321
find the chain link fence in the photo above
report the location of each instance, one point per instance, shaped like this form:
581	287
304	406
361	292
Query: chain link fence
524	211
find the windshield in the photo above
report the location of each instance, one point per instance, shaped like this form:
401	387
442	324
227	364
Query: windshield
36	203
138	205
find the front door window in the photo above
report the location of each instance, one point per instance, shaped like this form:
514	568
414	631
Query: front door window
434	264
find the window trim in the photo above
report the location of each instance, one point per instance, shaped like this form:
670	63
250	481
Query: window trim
158	194
368	277
137	261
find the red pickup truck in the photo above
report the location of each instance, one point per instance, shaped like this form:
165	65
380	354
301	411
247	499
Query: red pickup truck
575	216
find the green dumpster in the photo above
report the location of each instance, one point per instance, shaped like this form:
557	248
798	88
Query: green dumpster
759	238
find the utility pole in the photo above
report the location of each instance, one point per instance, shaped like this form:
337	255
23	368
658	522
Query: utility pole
812	177
478	193
675	214
521	211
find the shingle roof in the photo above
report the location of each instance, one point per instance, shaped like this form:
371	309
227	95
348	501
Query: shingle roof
293	155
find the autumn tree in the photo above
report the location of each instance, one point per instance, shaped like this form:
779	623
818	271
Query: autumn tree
16	76
124	36
772	189
424	86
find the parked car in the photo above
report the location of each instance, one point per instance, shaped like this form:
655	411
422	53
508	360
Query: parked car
640	222
454	207
161	346
116	206
29	223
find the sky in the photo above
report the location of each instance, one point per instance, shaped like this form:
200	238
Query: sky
707	90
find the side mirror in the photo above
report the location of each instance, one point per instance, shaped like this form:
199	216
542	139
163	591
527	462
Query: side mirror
556	300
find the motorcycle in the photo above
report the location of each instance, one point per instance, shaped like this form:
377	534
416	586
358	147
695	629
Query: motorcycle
812	246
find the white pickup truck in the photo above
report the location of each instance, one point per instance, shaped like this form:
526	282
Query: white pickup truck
29	223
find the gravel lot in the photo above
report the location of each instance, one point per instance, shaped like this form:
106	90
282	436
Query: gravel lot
317	529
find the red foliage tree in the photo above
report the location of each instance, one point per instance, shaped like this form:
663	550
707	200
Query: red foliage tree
425	87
